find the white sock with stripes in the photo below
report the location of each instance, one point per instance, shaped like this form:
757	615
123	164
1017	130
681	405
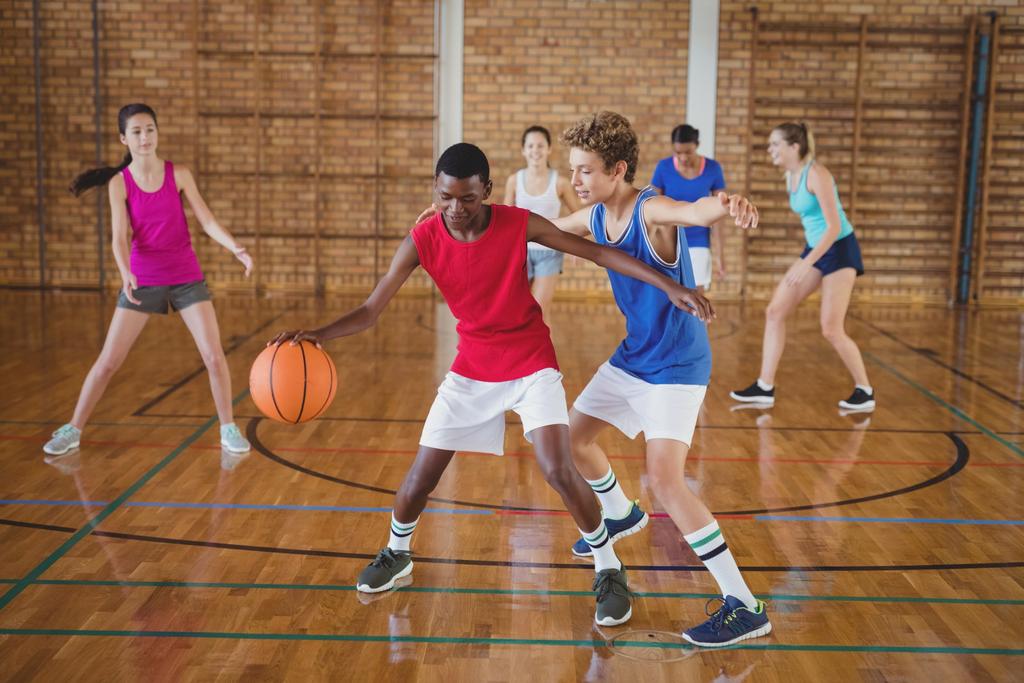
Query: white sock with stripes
401	534
601	544
709	544
614	504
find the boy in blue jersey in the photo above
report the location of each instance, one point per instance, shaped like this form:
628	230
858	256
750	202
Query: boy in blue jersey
656	380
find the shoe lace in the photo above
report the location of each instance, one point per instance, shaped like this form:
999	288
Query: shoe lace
232	432
64	432
723	617
385	559
611	582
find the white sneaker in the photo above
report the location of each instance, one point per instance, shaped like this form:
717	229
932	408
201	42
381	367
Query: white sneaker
64	439
231	439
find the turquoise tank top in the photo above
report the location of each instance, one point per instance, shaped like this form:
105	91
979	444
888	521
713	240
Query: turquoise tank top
806	205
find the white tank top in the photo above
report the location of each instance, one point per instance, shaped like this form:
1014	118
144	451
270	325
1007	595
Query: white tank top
547	204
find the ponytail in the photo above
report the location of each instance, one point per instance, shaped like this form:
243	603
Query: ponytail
95	177
101	176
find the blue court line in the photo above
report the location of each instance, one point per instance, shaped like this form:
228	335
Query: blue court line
67	545
461	511
948	406
447	640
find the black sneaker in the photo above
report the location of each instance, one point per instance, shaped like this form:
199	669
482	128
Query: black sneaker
859	400
754	394
613	597
381	574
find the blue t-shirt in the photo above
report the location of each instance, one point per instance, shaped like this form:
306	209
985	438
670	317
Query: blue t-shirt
667	179
663	344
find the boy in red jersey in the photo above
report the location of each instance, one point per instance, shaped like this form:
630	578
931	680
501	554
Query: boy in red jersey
476	254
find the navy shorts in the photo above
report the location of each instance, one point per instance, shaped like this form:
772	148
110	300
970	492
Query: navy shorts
162	299
844	253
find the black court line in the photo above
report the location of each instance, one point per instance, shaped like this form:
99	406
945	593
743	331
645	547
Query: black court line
956	371
419	421
313	552
962	458
141	412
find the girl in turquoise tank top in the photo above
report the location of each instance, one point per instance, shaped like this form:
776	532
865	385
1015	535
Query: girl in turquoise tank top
159	271
830	261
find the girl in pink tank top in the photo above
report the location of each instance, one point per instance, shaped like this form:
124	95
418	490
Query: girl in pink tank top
159	269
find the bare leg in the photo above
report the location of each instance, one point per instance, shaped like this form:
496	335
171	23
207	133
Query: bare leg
551	444
543	290
784	301
420	481
589	458
125	327
836	289
666	459
201	321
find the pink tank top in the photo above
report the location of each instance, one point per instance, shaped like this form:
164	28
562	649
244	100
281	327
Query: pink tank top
162	252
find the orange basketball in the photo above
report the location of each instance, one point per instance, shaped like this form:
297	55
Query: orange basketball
293	383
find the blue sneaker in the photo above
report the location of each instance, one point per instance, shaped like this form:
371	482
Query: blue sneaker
617	528
730	624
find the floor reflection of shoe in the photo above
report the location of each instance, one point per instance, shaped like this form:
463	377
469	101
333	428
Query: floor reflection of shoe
737	407
367	598
69	463
860	419
229	460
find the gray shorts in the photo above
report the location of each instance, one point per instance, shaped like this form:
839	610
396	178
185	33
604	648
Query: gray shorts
541	263
162	299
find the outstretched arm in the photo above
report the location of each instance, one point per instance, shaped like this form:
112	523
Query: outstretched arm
543	231
705	211
187	183
364	316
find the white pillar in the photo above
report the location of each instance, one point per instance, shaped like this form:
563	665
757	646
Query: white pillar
450	39
702	72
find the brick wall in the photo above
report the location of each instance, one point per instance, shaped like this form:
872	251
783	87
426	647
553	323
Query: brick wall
297	151
292	157
550	63
913	74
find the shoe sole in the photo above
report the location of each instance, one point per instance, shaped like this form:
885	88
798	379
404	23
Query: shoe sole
763	631
622	534
612	621
760	400
857	407
69	448
363	588
234	450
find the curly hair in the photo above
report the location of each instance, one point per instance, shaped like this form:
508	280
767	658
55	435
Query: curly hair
608	135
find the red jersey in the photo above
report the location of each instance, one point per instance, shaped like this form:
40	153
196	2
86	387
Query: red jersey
502	335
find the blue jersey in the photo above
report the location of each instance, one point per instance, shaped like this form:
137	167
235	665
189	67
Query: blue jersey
663	344
711	179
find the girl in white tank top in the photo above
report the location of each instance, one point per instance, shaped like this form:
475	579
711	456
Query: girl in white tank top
543	264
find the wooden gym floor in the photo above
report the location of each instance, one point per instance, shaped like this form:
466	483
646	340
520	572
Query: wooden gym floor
889	547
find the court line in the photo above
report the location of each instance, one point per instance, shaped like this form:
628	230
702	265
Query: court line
285	507
349	588
447	640
774	460
101	424
91	525
582	565
960	373
948	406
962	458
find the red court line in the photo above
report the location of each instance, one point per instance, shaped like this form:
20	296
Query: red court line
530	454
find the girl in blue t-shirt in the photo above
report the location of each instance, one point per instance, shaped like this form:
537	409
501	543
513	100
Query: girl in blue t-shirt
687	176
830	261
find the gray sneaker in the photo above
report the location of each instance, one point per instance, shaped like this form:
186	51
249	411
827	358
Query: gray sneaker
381	574
613	597
231	439
64	439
